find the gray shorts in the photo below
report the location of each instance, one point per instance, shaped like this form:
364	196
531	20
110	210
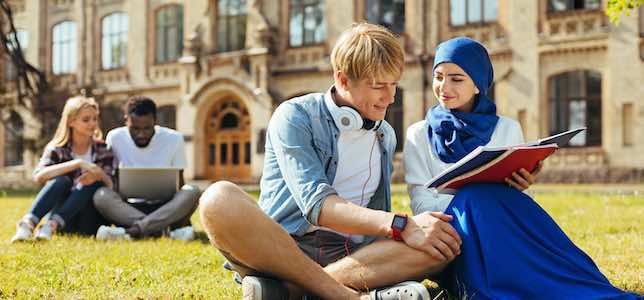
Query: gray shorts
324	247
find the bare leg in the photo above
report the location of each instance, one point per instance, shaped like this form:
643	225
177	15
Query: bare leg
235	224
383	263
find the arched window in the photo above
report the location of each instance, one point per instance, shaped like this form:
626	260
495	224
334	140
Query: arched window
575	101
395	117
231	25
167	116
229	121
169	33
63	60
467	12
13	142
307	25
114	40
388	13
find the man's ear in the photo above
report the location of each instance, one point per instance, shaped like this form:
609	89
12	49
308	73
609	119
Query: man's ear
476	90
341	79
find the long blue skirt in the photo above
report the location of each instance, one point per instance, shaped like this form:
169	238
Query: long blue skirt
512	249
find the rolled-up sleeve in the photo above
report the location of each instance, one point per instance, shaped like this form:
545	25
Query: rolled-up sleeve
290	134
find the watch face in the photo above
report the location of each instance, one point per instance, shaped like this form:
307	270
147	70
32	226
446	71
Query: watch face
399	222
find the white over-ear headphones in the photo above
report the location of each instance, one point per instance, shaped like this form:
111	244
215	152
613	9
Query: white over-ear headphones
347	118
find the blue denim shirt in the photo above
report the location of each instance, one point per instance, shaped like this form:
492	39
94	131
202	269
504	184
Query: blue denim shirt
301	161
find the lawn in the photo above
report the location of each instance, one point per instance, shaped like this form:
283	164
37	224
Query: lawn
607	226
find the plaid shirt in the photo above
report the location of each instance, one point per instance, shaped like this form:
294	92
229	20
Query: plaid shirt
101	156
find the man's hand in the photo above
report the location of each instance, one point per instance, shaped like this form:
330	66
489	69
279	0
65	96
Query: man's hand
523	179
430	233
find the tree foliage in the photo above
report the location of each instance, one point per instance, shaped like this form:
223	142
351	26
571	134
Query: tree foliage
616	8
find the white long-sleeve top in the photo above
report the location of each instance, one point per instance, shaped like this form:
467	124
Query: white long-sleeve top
422	164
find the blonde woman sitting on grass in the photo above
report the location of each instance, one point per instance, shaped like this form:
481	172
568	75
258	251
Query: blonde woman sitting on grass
74	164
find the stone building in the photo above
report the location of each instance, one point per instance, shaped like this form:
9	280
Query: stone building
217	69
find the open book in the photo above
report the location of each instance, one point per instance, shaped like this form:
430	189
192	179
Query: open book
494	164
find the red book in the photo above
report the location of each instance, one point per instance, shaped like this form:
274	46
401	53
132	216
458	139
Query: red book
494	164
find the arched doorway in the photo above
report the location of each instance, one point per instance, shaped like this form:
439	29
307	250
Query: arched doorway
227	141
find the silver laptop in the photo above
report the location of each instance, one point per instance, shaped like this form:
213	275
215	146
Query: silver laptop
151	184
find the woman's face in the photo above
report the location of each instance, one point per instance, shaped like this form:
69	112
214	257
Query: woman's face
453	88
85	122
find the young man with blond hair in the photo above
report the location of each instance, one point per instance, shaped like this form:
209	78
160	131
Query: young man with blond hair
323	222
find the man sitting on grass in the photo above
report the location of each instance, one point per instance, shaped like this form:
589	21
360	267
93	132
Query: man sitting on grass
323	222
141	143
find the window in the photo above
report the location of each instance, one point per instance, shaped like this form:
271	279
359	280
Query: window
575	101
231	25
166	116
22	37
466	12
13	142
564	5
169	33
306	22
114	41
395	118
64	48
388	13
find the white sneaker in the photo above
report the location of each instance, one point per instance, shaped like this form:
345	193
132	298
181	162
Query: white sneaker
108	233
408	290
24	230
183	234
44	232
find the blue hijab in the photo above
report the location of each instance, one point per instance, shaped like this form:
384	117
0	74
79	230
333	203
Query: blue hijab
454	134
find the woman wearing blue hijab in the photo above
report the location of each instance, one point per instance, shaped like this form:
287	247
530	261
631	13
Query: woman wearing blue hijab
511	248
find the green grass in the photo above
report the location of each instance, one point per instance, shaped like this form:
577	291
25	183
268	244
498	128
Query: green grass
607	227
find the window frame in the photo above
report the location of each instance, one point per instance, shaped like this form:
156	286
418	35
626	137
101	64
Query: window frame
166	44
559	119
9	72
112	36
550	11
381	14
72	44
303	6
230	21
467	23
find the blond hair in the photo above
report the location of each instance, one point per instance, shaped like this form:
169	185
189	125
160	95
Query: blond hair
367	51
72	107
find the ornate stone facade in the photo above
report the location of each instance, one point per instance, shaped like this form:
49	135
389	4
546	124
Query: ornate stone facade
531	44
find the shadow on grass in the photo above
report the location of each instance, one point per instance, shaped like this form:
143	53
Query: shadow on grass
202	237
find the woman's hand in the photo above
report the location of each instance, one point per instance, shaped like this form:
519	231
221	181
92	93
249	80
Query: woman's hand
88	178
92	173
522	179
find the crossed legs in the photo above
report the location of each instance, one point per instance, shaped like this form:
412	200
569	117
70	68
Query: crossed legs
236	225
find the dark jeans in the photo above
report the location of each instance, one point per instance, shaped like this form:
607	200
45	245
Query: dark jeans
72	208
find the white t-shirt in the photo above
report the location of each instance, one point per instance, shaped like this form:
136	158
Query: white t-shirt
358	173
421	164
166	149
